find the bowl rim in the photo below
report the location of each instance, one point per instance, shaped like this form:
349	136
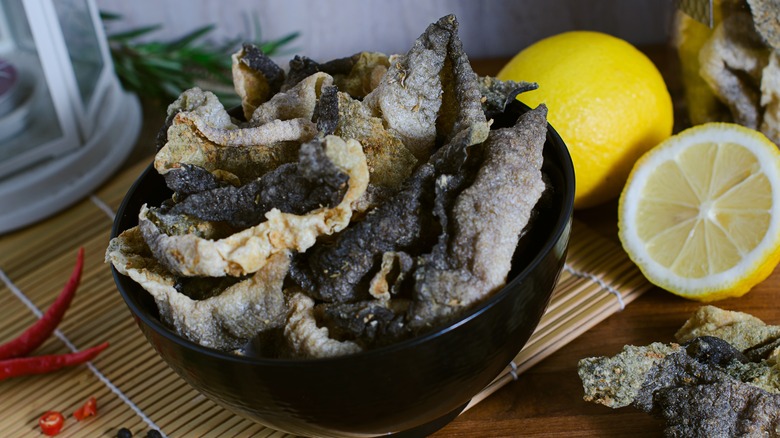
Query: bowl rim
559	149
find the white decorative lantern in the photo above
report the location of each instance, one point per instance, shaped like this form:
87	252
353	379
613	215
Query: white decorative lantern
66	124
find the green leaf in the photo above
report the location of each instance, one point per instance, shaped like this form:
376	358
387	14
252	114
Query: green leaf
162	63
133	33
190	37
162	69
109	16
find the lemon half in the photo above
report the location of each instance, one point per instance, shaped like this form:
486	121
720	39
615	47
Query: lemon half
700	213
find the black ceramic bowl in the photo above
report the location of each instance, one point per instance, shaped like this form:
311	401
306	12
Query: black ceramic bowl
411	388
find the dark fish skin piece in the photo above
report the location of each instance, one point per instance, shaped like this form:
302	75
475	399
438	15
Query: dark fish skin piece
726	408
302	67
162	134
681	369
256	78
758	352
201	288
333	272
189	178
497	94
713	351
461	90
765	16
326	111
695	388
698	399
482	219
330	272
430	95
411	221
292	188
255	59
368	323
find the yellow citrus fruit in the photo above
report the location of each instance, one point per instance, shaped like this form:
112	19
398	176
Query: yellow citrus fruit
700	213
606	99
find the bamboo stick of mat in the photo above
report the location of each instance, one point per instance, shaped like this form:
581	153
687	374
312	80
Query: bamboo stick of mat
137	390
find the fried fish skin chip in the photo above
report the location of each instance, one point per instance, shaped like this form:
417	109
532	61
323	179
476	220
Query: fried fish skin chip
364	76
411	94
305	338
461	108
225	321
395	267
277	131
770	98
248	250
326	111
474	253
765	16
297	102
637	374
705	387
409	97
696	394
256	77
356	75
615	382
188	179
186	144
737	328
332	272
369	324
389	161
724	408
497	94
314	181
490	215
732	61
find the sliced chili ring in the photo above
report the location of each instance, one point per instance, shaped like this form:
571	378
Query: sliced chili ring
51	423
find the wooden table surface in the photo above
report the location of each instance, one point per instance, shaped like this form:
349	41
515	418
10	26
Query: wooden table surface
547	399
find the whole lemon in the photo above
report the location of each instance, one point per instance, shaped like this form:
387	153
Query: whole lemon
606	99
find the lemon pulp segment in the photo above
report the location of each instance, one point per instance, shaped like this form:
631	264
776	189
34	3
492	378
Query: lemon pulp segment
705	209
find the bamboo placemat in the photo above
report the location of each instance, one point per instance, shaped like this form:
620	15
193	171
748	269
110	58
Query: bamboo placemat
134	387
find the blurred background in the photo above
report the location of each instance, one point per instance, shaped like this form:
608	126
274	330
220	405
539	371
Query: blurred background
328	29
337	28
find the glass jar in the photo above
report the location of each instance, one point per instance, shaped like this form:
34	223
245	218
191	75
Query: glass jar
731	70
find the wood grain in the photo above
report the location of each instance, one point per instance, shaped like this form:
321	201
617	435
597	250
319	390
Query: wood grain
546	401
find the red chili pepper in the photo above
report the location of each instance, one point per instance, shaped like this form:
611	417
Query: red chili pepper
88	409
37	333
51	423
22	366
